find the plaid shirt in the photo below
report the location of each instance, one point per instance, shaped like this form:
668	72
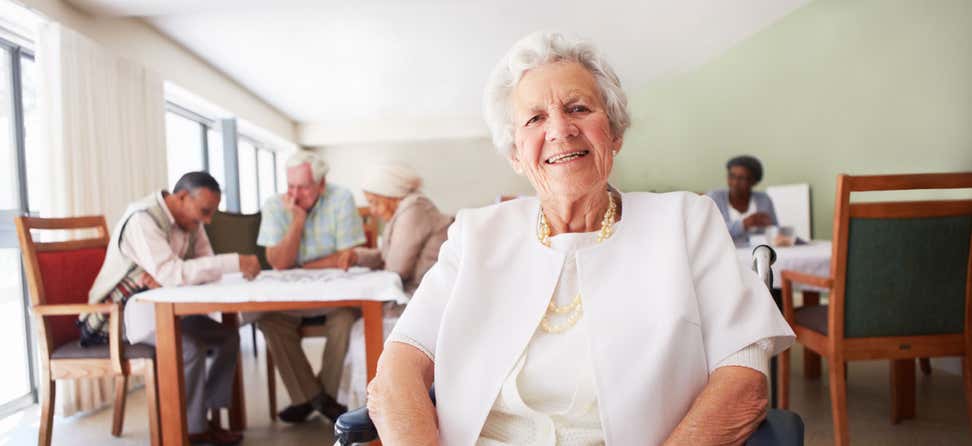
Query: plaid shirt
333	224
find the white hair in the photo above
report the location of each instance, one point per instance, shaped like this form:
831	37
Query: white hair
541	48
318	166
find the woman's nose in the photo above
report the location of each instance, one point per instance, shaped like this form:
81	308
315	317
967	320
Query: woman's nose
559	127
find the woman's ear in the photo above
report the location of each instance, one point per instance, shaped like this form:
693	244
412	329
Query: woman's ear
514	161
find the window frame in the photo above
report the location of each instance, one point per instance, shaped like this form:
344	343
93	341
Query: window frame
16	52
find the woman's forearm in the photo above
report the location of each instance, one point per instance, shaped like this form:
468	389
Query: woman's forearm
398	397
727	411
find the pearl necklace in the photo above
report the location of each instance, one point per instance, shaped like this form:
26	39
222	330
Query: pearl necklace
575	309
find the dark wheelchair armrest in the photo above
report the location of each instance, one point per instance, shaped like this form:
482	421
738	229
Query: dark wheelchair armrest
780	428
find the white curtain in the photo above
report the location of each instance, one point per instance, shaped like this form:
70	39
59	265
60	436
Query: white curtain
103	118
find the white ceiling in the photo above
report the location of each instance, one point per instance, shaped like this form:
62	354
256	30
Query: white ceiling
344	63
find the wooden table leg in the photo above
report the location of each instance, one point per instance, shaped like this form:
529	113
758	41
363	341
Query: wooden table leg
811	360
171	395
374	335
237	410
374	339
902	390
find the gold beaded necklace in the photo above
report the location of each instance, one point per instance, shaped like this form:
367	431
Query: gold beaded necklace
575	309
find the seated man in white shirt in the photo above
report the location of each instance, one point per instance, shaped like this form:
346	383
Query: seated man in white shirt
160	241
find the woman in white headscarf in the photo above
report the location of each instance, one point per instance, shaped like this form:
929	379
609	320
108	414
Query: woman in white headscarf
414	227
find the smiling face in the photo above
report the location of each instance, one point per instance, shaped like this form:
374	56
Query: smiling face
195	208
563	141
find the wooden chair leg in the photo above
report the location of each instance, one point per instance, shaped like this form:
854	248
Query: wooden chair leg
151	399
967	378
47	412
838	401
783	380
121	392
925	366
271	386
811	364
902	390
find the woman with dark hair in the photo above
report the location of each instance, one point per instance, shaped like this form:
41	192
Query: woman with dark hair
744	210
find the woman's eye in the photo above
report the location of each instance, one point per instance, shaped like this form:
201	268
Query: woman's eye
533	120
578	109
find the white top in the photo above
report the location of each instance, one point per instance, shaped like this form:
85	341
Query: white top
665	302
735	215
549	397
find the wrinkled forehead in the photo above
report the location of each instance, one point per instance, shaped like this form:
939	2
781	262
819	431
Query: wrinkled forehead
554	83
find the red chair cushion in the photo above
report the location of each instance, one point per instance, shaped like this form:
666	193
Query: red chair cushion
67	277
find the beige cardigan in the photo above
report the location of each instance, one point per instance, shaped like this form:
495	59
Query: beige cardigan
410	241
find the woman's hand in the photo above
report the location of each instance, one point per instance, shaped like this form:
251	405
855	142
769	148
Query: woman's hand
398	397
727	411
757	220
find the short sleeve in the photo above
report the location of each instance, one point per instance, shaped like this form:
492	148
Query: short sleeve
419	324
349	229
273	222
735	307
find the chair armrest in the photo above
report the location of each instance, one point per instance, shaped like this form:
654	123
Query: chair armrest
780	428
71	309
806	279
355	427
114	324
788	277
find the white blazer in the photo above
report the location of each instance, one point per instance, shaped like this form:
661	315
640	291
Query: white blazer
665	299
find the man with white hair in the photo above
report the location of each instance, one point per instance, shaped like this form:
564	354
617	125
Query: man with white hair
314	225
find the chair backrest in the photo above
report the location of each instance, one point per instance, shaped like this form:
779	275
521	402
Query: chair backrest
61	272
236	233
902	268
370	223
792	204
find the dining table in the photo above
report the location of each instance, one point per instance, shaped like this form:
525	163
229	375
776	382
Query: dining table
154	315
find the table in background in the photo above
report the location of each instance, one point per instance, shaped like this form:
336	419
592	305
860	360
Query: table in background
272	291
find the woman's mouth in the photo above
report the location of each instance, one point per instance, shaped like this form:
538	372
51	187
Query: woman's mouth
567	157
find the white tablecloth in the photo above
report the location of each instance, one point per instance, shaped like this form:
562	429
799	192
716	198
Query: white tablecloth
269	286
812	258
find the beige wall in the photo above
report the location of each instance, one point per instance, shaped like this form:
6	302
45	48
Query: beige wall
861	87
458	173
136	40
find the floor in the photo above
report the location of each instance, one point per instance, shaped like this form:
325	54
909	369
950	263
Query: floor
941	414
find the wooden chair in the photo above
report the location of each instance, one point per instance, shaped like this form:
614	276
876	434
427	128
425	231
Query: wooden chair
314	327
900	288
59	275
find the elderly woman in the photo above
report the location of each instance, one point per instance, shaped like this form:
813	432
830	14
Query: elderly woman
744	210
414	227
584	316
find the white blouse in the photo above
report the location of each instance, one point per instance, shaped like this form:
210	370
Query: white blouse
549	397
735	215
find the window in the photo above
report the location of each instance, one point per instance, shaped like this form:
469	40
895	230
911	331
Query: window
249	186
184	141
266	174
17	136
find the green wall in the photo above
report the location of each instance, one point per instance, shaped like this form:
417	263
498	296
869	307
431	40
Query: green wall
858	87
